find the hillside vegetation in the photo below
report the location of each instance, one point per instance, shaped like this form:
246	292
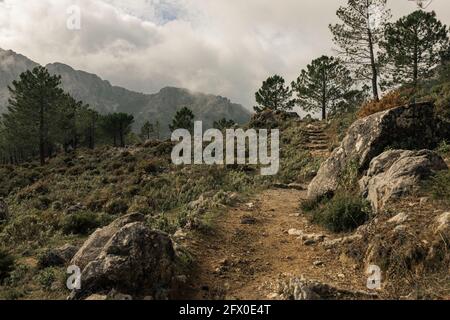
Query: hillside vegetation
66	200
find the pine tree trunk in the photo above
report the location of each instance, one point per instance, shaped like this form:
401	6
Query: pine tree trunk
376	96
324	96
41	135
416	62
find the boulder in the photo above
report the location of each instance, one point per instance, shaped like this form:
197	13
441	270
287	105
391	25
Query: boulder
136	261
443	225
396	173
75	208
57	257
95	243
406	127
304	289
4	212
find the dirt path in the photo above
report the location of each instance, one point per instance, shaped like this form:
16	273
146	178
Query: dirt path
250	248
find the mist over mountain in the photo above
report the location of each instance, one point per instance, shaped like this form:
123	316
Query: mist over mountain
105	98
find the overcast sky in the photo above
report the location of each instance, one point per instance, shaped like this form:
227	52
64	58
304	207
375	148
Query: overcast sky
224	47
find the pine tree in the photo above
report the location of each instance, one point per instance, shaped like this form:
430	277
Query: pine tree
33	106
65	130
224	124
184	119
157	129
322	85
117	126
146	131
413	47
87	121
358	36
274	95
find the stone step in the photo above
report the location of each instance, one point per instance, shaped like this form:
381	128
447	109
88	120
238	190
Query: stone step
317	139
317	147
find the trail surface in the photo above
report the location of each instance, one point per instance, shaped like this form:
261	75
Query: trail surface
250	248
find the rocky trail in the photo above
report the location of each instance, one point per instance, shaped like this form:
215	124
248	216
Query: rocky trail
255	245
317	140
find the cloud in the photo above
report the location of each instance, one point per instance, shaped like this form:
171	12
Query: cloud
225	47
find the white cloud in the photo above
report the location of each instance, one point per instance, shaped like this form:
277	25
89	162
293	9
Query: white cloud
225	47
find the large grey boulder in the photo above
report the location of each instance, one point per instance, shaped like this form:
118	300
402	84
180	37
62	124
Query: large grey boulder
396	173
135	260
406	127
4	212
96	242
57	257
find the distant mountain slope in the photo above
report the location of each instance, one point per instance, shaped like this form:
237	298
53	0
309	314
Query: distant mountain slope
11	66
105	98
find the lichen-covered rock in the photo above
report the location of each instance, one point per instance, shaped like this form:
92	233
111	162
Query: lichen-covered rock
57	257
95	243
407	127
135	260
303	289
396	173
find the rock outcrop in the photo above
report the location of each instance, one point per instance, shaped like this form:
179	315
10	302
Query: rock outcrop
396	173
407	127
96	242
129	258
57	257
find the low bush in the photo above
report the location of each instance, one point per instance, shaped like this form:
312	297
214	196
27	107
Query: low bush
83	223
391	100
439	186
444	148
6	265
343	213
25	228
46	278
116	206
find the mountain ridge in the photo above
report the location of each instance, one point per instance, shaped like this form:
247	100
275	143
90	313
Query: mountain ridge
104	97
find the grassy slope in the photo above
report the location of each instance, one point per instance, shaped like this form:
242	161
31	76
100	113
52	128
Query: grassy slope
107	183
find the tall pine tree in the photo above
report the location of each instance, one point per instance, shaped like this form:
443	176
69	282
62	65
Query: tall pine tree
33	109
147	130
358	36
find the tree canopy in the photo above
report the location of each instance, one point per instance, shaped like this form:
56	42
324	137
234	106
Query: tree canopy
323	85
413	47
184	119
274	95
357	36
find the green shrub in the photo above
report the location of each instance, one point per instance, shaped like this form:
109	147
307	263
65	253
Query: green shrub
348	177
18	275
12	294
162	223
343	213
6	265
116	206
439	186
23	228
149	166
444	148
83	223
46	278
